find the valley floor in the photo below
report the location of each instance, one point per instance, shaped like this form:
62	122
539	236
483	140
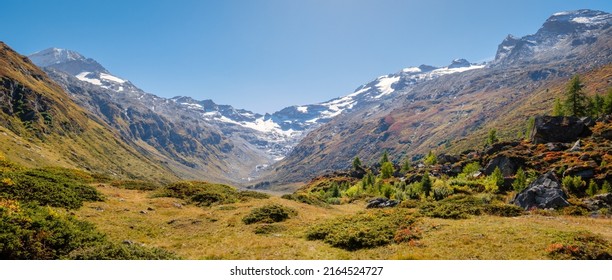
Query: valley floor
218	232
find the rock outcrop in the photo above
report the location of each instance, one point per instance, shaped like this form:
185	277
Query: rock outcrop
545	192
558	129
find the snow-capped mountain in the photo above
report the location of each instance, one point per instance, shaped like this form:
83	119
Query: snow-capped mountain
84	69
562	35
270	137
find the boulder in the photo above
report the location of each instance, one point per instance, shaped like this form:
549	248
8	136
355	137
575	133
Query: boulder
444	158
507	165
382	202
545	192
559	129
600	201
586	171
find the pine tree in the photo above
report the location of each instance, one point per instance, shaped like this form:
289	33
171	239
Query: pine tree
406	166
492	138
607	104
384	158
606	188
430	159
598	106
575	100
387	170
520	180
497	177
557	108
426	184
356	163
592	189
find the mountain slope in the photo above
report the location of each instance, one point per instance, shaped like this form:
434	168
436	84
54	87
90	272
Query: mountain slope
40	126
459	108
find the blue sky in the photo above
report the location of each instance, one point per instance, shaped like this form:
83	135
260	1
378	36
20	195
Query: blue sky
264	55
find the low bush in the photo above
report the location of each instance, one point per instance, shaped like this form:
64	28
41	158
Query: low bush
135	185
29	231
305	198
270	213
269	229
581	246
34	232
246	195
113	251
202	193
503	210
463	206
366	229
53	187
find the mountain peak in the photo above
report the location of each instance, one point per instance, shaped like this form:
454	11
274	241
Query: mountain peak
52	56
561	34
67	61
460	62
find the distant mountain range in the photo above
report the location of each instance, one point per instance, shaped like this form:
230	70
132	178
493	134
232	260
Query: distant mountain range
262	140
407	113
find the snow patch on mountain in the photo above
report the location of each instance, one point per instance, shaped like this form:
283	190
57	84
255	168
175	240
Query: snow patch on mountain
385	84
111	78
86	77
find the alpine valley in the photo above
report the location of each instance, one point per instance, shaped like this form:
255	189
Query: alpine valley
125	150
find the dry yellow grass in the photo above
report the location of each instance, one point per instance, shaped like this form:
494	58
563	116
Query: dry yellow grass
218	232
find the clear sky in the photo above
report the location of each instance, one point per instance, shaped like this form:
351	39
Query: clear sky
264	55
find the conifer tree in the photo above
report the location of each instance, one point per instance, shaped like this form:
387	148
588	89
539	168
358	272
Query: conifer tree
387	170
575	100
356	163
426	184
557	108
384	158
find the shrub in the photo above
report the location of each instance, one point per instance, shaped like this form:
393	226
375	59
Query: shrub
202	193
470	168
575	210
270	213
245	195
461	206
442	192
364	230
503	210
269	228
34	232
581	246
135	185
47	187
112	251
305	198
573	184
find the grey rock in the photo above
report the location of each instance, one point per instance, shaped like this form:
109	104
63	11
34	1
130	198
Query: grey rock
545	192
558	129
507	165
601	201
382	202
